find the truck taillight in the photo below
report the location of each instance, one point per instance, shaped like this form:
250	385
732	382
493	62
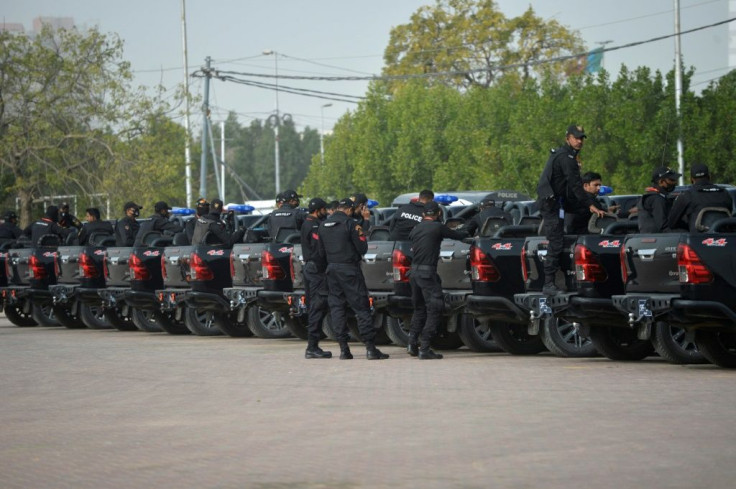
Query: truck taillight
87	268
524	268
270	267
232	265
35	268
401	266
623	258
198	268
163	268
482	267
587	266
8	268
138	270
691	269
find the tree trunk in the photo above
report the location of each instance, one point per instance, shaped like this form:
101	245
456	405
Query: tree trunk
25	199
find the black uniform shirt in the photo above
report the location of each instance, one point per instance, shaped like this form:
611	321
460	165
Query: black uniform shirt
654	206
341	239
284	217
156	223
561	180
45	226
310	242
406	217
211	223
94	227
688	204
426	238
126	230
8	230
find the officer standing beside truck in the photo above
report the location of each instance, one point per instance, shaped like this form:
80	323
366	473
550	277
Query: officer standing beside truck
342	243
288	216
315	282
560	190
409	215
427	297
702	194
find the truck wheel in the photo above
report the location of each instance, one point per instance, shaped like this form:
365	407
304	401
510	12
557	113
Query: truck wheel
675	344
44	315
227	323
201	323
476	335
145	320
719	347
563	339
120	320
15	314
329	332
514	339
397	330
169	323
447	340
93	316
620	343
64	315
296	326
265	324
381	337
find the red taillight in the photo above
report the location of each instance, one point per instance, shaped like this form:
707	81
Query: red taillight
587	266
691	268
482	267
232	265
105	270
138	270
198	268
87	268
270	267
524	268
163	268
35	268
401	265
8	268
624	260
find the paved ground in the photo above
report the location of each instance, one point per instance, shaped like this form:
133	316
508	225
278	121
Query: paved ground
98	409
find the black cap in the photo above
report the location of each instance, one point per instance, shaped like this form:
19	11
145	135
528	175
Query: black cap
217	205
161	206
52	212
332	204
431	208
664	172
10	215
64	205
316	204
487	202
202	203
280	197
131	205
290	195
346	202
699	170
576	131
359	199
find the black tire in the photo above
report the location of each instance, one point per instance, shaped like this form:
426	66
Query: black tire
93	316
227	323
145	320
15	314
620	344
476	335
120	320
297	327
379	324
201	323
266	324
719	347
64	315
397	330
563	339
329	332
44	315
447	340
514	339
675	344
171	325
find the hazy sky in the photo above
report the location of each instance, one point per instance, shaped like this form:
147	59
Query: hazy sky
348	37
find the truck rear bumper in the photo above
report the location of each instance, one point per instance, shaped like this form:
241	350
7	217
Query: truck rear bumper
112	296
15	293
274	300
206	301
643	308
141	300
701	314
171	299
40	296
240	297
496	308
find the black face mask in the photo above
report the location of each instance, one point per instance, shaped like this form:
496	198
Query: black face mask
136	213
669	188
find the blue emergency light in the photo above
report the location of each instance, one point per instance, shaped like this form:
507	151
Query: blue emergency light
243	208
182	211
605	190
371	203
445	199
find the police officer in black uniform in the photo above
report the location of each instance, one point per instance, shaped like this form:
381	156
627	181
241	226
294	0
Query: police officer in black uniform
409	215
361	212
315	282
487	209
9	229
159	222
67	219
702	194
426	286
213	224
576	222
560	188
127	228
288	216
48	224
654	206
93	225
342	243
201	209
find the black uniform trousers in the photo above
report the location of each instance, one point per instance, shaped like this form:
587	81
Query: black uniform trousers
315	285
553	228
428	301
347	287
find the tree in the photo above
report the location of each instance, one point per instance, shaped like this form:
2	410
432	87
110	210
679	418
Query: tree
473	40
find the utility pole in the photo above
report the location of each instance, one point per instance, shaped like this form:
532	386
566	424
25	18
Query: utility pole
222	159
187	140
277	122
322	134
205	129
678	94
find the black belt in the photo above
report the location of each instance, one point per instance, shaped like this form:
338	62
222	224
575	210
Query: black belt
422	268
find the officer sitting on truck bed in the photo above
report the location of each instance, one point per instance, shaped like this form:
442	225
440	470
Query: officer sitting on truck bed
487	209
702	194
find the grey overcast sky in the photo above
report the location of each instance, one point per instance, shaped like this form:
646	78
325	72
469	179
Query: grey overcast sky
348	37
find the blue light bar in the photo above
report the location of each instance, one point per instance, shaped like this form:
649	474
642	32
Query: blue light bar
182	211
371	203
445	199
605	190
243	208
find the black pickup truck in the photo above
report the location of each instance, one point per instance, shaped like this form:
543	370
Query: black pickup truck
16	300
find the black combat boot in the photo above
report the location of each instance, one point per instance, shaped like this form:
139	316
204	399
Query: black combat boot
429	354
412	347
373	353
345	352
317	352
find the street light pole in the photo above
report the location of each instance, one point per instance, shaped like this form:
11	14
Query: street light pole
277	177
322	134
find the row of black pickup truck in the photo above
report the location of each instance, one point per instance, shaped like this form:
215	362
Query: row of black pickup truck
628	295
